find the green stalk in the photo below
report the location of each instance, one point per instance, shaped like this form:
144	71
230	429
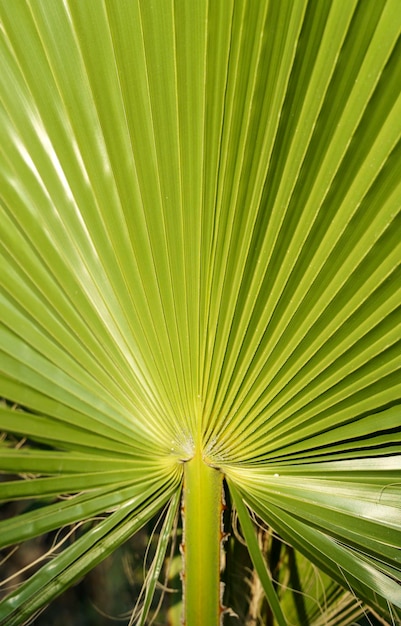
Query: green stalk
202	536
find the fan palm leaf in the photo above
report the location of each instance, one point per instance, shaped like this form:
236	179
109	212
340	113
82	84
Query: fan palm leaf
201	281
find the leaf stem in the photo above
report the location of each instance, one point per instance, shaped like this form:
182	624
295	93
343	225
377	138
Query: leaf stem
201	548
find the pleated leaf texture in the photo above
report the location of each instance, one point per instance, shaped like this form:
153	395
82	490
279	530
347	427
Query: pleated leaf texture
200	247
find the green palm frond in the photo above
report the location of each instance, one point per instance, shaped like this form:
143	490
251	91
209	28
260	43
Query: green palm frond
200	261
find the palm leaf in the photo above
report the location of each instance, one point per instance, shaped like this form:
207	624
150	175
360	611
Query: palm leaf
200	254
